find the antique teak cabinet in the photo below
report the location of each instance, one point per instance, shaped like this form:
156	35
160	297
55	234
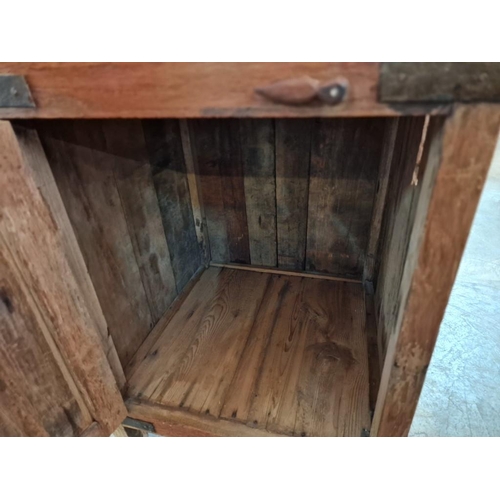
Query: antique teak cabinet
203	251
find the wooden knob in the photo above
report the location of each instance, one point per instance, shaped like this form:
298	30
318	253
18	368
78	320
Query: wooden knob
305	90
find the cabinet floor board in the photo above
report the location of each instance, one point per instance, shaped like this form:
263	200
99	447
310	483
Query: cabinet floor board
279	354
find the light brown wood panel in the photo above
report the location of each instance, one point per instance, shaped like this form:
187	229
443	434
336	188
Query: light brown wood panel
86	180
456	164
279	354
345	157
293	149
36	161
188	90
33	252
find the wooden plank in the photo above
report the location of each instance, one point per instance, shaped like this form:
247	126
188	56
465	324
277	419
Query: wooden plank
293	144
388	145
459	155
283	272
257	145
244	347
36	256
86	181
153	337
187	90
178	422
440	82
36	161
120	432
164	147
220	165
140	206
401	202
154	372
35	400
202	379
200	221
95	430
345	156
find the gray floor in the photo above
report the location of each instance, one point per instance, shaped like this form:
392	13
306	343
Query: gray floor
461	394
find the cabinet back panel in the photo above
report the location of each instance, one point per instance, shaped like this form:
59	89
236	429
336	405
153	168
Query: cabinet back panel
292	194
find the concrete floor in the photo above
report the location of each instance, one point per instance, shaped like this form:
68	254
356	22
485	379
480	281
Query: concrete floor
461	394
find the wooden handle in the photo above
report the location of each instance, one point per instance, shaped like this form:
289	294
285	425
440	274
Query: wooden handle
305	90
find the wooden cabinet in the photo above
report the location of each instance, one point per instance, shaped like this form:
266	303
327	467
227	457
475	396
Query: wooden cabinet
182	250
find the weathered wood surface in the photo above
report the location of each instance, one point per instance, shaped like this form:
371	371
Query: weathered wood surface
405	82
36	161
280	354
345	157
188	90
62	361
124	187
456	163
403	191
293	151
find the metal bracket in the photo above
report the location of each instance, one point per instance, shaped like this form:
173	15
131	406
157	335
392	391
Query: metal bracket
439	82
15	92
132	423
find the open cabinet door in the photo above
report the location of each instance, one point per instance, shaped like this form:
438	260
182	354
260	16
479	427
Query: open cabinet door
55	377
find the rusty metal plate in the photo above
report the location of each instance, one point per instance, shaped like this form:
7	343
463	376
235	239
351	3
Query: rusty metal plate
439	82
14	92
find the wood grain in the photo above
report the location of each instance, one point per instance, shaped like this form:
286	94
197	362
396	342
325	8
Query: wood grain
265	351
459	154
86	180
257	144
345	156
36	161
293	144
188	90
400	206
35	256
164	147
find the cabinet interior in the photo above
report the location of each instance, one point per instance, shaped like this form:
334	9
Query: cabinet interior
248	270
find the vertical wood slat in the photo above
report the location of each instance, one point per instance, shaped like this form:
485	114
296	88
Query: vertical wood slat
36	161
220	166
401	203
35	256
459	154
164	147
86	180
258	147
345	156
293	143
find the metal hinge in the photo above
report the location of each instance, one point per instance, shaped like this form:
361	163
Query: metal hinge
15	92
140	425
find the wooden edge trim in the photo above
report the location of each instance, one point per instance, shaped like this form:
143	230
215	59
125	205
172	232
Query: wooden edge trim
274	270
181	423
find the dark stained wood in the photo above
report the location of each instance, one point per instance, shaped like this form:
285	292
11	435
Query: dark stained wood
345	158
401	203
280	354
459	154
439	82
219	163
86	181
36	161
45	290
140	205
388	146
164	147
187	90
257	144
293	144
